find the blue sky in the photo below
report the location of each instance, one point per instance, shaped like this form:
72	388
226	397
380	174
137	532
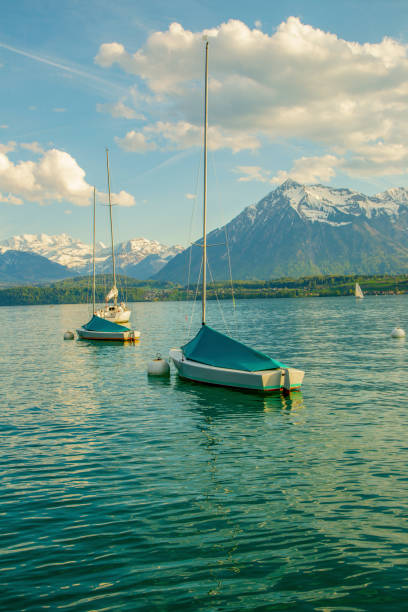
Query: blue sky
311	89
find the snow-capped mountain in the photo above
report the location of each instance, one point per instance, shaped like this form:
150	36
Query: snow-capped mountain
301	230
77	256
325	204
62	249
128	256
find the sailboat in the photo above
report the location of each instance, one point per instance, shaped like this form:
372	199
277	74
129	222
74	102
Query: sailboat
99	328
359	292
215	358
117	313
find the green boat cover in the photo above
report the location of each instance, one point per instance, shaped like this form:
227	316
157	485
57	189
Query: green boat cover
102	325
216	349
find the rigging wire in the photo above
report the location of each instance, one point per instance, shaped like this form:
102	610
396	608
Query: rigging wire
218	301
227	247
195	300
193	212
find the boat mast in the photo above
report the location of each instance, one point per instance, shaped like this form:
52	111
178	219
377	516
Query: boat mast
93	254
115	299
204	291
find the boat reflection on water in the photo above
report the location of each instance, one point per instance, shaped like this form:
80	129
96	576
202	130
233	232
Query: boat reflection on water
159	382
101	343
221	400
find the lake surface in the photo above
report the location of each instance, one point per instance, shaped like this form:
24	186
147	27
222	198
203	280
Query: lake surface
124	493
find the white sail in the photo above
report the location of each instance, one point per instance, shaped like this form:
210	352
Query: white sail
359	293
112	294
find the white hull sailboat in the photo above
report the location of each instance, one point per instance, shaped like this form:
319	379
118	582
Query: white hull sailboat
216	359
264	381
358	292
116	313
100	328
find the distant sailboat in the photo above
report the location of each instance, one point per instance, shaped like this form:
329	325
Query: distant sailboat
214	358
117	313
99	328
358	292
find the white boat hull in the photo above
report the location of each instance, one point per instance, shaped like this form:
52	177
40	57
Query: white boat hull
118	316
264	381
124	336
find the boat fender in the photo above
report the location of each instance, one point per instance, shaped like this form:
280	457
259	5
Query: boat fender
158	367
68	335
398	332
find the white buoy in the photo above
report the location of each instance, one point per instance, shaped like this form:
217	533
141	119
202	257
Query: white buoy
158	367
397	332
69	335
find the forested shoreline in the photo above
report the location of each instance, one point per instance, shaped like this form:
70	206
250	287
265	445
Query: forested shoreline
79	290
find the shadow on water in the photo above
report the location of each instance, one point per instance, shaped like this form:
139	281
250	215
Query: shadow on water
220	401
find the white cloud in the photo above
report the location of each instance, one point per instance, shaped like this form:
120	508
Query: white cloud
118	199
252	173
379	158
190	196
68	212
3	127
11	199
118	110
56	176
299	83
183	135
310	170
304	170
135	142
7	147
59	110
31	146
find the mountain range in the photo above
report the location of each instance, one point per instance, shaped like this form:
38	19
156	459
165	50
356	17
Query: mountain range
20	267
295	230
303	230
138	257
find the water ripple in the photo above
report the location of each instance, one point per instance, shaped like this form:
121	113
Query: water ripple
125	493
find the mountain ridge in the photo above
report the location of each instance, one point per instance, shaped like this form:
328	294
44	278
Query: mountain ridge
77	255
299	230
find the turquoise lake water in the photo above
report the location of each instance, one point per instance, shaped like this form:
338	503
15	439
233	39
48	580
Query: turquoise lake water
124	493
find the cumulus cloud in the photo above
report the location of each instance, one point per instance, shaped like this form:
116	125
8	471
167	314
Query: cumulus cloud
310	170
183	135
119	110
299	83
304	170
118	199
56	176
34	147
7	147
11	199
252	173
135	142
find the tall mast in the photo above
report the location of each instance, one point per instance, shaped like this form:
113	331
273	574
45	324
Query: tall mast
93	255
115	299
204	292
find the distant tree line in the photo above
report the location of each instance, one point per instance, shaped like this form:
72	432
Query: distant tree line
79	290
